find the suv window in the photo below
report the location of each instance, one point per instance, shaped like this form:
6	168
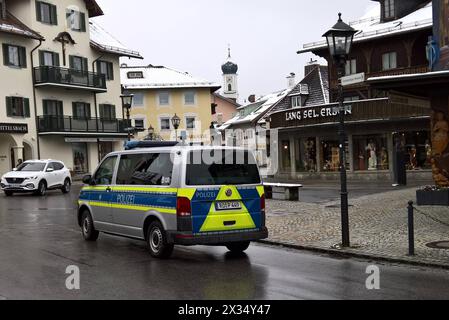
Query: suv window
104	174
145	169
57	166
221	167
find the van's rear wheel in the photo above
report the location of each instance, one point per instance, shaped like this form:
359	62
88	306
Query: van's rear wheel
87	227
157	241
238	247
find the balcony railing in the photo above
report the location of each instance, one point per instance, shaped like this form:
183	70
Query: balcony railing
56	76
89	125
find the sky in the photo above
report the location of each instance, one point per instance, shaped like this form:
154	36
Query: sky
193	35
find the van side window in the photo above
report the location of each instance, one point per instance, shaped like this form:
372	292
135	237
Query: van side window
150	169
57	166
104	174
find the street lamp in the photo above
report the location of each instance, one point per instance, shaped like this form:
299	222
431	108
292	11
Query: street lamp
339	41
127	102
176	121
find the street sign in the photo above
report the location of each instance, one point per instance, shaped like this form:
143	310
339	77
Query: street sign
353	79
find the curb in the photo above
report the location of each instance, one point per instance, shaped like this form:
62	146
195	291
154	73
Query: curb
350	254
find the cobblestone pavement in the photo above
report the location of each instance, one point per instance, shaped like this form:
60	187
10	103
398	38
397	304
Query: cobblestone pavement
378	225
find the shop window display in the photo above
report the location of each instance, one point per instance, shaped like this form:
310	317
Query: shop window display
330	155
307	155
370	153
418	149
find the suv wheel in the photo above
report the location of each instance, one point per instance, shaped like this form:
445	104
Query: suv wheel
157	241
87	227
66	187
238	247
42	189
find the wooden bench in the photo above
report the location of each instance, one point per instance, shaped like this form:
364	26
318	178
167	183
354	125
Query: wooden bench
282	191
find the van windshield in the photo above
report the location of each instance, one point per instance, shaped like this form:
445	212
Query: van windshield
221	167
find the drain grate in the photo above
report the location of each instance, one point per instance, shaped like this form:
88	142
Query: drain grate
439	245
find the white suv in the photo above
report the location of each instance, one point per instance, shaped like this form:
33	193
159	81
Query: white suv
37	176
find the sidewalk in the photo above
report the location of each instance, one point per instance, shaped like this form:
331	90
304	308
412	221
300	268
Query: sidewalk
378	225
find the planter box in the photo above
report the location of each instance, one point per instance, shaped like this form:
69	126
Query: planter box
432	198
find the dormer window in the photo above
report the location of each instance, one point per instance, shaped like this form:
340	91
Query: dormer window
135	75
389	9
296	102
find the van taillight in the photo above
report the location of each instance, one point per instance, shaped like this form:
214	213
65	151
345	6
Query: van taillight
262	203
183	207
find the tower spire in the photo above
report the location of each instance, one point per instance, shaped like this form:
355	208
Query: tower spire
229	51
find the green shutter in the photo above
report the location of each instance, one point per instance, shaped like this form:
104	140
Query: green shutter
71	62
26	108
53	15
5	54
74	110
85	65
101	107
56	59
38	11
82	21
41	58
113	113
22	57
9	106
88	113
110	71
98	67
60	107
45	107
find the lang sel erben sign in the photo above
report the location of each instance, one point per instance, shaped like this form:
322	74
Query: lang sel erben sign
13	128
324	112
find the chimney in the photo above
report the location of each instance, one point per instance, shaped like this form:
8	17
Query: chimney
252	98
291	81
312	64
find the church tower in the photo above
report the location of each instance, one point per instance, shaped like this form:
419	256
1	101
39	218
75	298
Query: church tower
230	77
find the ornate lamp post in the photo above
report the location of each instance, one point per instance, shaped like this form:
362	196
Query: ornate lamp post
127	102
339	41
176	121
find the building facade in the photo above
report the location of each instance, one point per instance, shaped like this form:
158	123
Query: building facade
391	40
160	93
224	109
64	100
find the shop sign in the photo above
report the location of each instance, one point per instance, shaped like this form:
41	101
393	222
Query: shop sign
13	128
324	112
353	79
76	140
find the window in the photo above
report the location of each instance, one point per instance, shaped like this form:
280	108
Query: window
57	166
164	98
135	75
150	169
79	63
189	98
190	122
107	112
165	123
46	13
138	100
330	155
389	61
228	167
106	68
105	172
14	56
31	167
351	67
76	20
296	101
48	58
418	149
53	108
139	123
370	152
81	110
389	9
17	107
80	158
229	88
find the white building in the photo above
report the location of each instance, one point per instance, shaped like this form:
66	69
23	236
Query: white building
59	84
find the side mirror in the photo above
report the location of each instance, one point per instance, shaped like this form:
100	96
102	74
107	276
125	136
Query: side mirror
50	170
88	179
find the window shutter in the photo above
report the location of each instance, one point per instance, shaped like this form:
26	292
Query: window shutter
56	59
45	107
9	106
74	110
82	21
53	15
98	67
22	57
5	54
26	108
110	71
85	65
71	64
102	106
60	108
87	108
113	113
38	11
41	58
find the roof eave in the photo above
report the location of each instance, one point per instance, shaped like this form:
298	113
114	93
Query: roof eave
116	51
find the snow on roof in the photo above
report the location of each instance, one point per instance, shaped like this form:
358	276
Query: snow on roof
370	27
11	24
259	107
104	41
159	77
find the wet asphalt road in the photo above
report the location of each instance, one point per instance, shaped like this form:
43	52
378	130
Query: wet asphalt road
39	238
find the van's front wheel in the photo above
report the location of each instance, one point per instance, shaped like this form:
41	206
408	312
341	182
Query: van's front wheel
157	241
238	247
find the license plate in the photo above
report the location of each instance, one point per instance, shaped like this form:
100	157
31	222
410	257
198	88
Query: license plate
14	186
228	205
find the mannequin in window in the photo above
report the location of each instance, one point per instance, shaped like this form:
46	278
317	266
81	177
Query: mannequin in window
372	161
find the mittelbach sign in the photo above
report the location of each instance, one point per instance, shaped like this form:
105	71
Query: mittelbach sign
13	128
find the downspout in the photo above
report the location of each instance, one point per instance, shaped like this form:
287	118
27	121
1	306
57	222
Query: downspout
36	120
96	107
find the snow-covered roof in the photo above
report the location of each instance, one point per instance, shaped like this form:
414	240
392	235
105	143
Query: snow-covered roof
370	26
11	24
105	42
159	77
256	109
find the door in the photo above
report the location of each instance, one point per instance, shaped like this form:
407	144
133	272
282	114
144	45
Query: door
51	175
58	173
101	194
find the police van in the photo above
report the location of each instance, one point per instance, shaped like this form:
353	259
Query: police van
176	195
